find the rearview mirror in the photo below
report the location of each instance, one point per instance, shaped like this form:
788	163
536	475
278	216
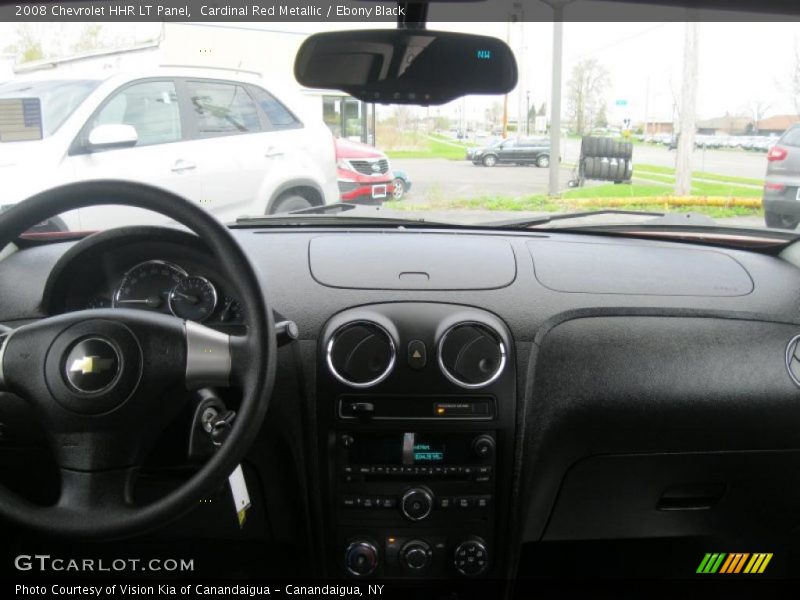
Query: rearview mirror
109	137
406	66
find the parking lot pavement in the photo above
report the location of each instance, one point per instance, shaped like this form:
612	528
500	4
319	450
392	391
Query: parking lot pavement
721	162
438	179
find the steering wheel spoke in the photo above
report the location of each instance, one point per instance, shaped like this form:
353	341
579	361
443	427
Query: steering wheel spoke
107	492
208	357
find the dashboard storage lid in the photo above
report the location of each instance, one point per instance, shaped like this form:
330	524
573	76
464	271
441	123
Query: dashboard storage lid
640	269
410	261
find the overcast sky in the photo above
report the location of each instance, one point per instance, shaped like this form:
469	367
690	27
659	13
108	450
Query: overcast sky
739	63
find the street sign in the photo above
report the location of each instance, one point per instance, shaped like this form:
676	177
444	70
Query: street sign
621	103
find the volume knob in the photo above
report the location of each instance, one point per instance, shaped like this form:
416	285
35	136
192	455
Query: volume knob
483	446
416	504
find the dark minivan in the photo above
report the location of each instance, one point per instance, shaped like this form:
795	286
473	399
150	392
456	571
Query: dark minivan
521	151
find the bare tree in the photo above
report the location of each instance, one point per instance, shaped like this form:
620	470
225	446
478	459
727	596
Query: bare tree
758	110
586	90
28	46
493	114
795	78
90	39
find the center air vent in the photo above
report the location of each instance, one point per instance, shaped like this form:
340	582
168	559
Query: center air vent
793	359
361	354
471	355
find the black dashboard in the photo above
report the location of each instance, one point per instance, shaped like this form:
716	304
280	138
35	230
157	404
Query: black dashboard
463	398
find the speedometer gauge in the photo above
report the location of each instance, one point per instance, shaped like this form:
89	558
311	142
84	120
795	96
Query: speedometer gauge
148	285
193	298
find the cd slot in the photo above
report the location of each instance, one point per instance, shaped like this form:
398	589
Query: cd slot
433	408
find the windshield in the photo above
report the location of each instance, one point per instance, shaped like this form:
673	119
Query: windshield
655	118
57	98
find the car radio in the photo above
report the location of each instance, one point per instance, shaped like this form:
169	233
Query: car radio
426	489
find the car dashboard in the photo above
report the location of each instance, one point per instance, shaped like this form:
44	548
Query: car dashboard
477	405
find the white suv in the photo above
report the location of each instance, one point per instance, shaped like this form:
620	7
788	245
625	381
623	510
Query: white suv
224	142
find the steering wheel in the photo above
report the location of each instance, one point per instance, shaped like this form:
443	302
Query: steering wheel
106	382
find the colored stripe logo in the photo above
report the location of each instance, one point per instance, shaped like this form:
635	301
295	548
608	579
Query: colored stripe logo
734	563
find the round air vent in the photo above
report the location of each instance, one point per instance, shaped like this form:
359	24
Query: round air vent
793	359
361	354
471	355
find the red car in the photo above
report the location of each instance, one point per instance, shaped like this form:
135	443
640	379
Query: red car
364	175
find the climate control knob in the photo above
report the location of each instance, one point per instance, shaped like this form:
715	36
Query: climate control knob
361	558
416	503
471	558
416	556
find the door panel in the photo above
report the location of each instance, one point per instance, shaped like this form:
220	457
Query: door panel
161	156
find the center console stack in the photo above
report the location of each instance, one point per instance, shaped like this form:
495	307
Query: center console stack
416	412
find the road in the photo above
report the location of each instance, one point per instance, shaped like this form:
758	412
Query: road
438	179
722	162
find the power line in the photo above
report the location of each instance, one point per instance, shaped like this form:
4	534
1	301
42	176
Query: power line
617	42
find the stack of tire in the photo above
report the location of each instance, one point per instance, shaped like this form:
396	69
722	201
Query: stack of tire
606	159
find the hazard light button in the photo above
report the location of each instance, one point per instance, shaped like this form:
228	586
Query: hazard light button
417	354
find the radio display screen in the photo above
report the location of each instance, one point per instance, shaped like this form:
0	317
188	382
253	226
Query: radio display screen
428	452
409	448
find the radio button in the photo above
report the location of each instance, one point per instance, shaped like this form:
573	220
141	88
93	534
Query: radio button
464	502
444	503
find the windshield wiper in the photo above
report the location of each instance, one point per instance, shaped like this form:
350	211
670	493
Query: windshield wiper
337	213
529	222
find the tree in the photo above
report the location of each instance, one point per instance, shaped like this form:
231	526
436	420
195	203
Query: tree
29	45
586	90
493	114
758	110
601	120
795	79
91	38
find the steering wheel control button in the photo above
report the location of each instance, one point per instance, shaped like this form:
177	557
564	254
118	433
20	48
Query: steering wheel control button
361	559
416	504
417	354
471	558
92	365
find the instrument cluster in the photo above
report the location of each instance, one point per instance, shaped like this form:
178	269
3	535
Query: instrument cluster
164	286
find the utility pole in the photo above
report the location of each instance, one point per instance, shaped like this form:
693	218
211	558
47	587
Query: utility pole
528	113
505	98
683	160
646	104
554	186
519	16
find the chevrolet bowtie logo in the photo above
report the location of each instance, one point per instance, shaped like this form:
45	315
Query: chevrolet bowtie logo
91	364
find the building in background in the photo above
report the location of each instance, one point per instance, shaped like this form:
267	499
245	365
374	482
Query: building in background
777	124
726	125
